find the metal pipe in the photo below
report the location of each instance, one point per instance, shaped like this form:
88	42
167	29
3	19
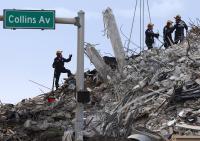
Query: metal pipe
39	84
65	20
143	26
80	77
1	18
140	25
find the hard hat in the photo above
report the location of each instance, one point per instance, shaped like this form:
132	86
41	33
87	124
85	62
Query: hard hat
177	17
150	25
59	52
169	22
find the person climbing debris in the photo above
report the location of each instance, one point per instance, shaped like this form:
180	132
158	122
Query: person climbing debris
179	29
167	34
58	65
149	40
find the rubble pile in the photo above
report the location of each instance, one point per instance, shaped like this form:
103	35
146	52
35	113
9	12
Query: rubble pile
156	94
37	119
160	91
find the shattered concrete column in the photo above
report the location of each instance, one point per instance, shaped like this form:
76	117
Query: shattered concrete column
98	61
113	33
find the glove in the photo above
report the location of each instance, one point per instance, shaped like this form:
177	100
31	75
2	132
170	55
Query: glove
70	56
157	35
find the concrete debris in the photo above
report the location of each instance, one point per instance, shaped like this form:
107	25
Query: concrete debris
98	61
113	33
111	61
68	136
158	97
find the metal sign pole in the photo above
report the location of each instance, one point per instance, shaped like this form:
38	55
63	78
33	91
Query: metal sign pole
79	22
80	77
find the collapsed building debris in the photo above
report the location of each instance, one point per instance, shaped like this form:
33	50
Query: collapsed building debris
159	84
98	61
111	61
113	34
156	100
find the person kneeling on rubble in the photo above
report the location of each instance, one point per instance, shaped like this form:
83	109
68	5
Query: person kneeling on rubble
58	65
149	40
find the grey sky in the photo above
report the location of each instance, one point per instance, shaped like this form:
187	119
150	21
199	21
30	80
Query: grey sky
28	54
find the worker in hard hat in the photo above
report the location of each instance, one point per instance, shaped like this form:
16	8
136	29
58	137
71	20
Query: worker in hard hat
58	65
149	40
167	34
179	27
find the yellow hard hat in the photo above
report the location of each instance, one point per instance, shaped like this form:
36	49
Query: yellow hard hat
177	17
59	52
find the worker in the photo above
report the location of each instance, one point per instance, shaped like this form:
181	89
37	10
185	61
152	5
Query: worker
179	29
167	34
150	36
58	65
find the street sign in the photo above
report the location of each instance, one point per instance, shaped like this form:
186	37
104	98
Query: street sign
29	19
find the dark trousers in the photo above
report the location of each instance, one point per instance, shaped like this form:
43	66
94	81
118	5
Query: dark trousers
168	42
149	45
178	38
57	75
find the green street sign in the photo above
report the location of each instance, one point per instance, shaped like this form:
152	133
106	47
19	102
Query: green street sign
29	19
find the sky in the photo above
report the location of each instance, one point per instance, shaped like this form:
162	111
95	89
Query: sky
27	54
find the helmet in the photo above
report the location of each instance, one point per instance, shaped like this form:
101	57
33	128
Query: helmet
178	17
169	22
59	52
150	25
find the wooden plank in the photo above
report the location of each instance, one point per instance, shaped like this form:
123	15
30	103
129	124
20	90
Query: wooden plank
185	138
183	125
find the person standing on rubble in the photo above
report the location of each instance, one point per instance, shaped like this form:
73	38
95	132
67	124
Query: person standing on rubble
167	34
150	35
58	65
179	29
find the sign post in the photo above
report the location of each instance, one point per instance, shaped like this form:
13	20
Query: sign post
80	77
29	19
45	19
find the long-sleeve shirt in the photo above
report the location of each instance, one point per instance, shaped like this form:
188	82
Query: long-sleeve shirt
179	28
167	33
150	36
58	63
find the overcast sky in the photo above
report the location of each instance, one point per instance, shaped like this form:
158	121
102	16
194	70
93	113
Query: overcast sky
28	54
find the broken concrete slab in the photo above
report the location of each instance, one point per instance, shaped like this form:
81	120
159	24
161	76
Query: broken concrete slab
98	62
113	33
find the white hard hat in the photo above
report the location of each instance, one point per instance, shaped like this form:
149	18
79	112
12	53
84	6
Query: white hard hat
59	52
